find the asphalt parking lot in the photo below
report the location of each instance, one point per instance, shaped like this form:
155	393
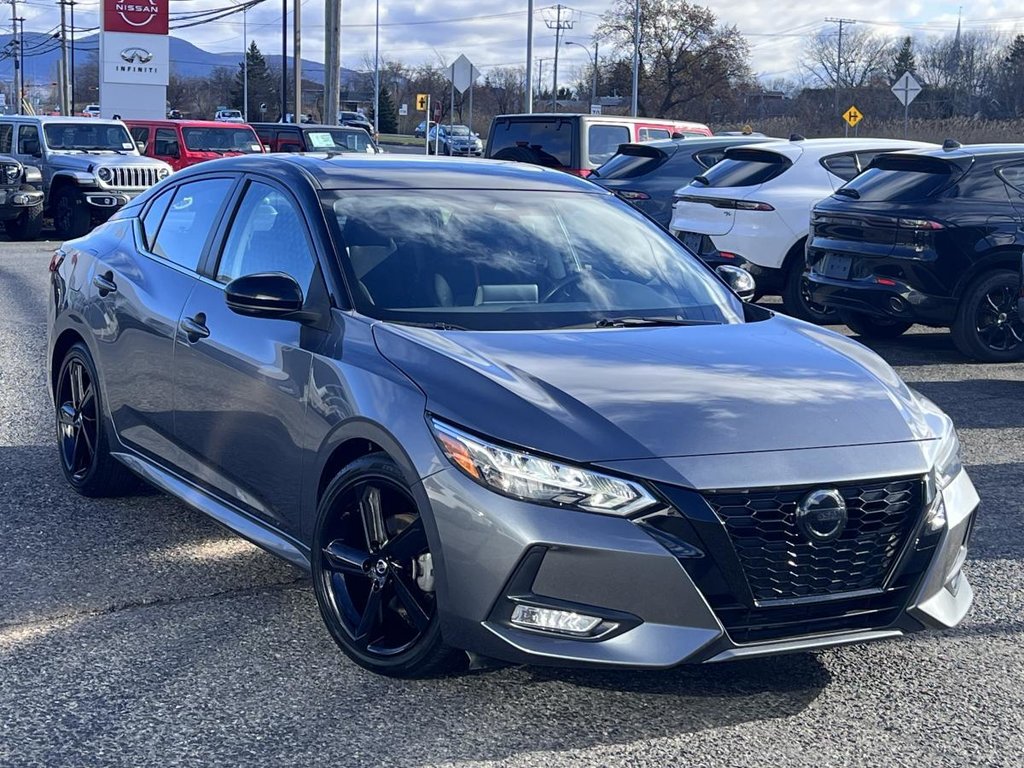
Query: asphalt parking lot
136	632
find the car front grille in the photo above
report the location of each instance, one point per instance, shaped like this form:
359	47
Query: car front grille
780	563
133	177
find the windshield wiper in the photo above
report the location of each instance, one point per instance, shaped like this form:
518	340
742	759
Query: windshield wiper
437	326
848	193
632	322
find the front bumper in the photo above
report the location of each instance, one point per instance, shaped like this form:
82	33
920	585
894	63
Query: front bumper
899	301
498	552
108	201
14	201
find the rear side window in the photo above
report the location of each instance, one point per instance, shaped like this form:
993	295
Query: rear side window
152	218
746	168
843	166
189	219
603	141
1013	175
903	178
709	157
632	161
650	134
6	131
541	142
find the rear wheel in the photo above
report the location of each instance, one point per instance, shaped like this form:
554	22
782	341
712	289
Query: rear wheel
84	452
872	327
988	326
373	573
796	295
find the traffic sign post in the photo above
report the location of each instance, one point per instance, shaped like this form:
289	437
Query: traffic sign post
906	88
852	116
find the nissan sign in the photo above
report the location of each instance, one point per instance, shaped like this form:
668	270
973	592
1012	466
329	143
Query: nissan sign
141	16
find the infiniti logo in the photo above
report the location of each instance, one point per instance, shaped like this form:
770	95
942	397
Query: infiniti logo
133	55
821	515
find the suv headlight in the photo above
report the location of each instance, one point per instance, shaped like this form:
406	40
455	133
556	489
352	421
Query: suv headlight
163	173
947	466
105	175
531	478
12	173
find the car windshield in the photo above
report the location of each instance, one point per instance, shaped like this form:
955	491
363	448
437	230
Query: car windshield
457	130
231	113
88	136
902	178
338	140
514	260
745	168
221	140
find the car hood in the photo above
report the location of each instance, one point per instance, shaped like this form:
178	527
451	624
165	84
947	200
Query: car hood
82	162
617	394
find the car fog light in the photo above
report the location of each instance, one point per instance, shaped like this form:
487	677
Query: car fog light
568	622
20	200
936	518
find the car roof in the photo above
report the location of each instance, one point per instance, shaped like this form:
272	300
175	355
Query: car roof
970	151
355	171
187	123
65	119
814	149
702	142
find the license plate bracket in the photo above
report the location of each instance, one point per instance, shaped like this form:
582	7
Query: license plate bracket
835	265
694	241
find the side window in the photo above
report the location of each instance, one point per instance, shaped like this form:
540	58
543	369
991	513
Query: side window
141	133
649	134
603	141
843	166
709	157
28	135
165	143
6	133
1013	175
151	219
267	235
289	141
189	219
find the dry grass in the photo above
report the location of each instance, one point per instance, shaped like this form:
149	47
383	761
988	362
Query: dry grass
964	129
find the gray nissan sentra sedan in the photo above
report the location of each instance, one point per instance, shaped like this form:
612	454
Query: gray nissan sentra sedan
491	408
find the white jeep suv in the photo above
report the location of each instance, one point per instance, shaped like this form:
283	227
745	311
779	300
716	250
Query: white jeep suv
753	208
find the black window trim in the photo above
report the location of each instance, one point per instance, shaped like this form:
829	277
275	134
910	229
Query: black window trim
1016	187
855	154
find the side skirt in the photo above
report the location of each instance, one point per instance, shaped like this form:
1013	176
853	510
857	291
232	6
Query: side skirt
234	519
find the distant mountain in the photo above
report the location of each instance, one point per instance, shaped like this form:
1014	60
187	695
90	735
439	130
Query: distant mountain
187	60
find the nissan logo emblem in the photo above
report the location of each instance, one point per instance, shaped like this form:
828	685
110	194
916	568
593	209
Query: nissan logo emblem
821	515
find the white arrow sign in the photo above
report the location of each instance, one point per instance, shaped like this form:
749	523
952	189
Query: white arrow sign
906	88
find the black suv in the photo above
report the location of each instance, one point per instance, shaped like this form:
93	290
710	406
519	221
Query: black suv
932	237
648	174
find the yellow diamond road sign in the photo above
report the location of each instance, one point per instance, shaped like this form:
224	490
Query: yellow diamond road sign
852	116
421	102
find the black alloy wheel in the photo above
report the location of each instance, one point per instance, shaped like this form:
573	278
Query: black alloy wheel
989	326
373	572
81	439
796	298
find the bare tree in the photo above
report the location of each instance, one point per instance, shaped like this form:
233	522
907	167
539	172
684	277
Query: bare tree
507	85
865	58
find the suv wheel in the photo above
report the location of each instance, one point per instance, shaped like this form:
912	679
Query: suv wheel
71	217
28	224
373	573
796	296
84	453
988	326
871	327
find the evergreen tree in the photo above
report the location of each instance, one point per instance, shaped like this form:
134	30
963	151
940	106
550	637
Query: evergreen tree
903	60
388	113
262	86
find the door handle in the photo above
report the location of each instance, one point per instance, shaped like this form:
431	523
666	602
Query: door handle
105	283
195	327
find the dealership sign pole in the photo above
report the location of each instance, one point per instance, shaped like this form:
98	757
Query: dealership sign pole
134	59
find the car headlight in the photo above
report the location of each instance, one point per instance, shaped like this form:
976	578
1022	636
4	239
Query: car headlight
105	175
163	173
948	463
531	478
12	173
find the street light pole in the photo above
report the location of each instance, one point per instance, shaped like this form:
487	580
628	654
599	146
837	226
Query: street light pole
593	62
284	58
245	64
376	73
528	106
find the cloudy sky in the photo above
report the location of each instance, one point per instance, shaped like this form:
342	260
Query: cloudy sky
493	32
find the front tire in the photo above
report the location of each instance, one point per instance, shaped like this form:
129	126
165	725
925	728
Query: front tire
373	573
81	435
71	217
871	327
988	326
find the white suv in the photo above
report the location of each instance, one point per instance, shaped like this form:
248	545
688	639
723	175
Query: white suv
753	208
229	116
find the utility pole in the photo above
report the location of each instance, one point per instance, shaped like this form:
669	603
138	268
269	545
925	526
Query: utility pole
297	66
332	60
528	106
64	90
635	106
558	22
839	55
17	58
376	72
284	58
245	65
71	72
21	56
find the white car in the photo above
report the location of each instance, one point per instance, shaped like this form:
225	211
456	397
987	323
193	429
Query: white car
229	116
753	208
91	110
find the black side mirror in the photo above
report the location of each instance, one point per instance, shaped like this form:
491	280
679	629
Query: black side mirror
741	281
266	294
